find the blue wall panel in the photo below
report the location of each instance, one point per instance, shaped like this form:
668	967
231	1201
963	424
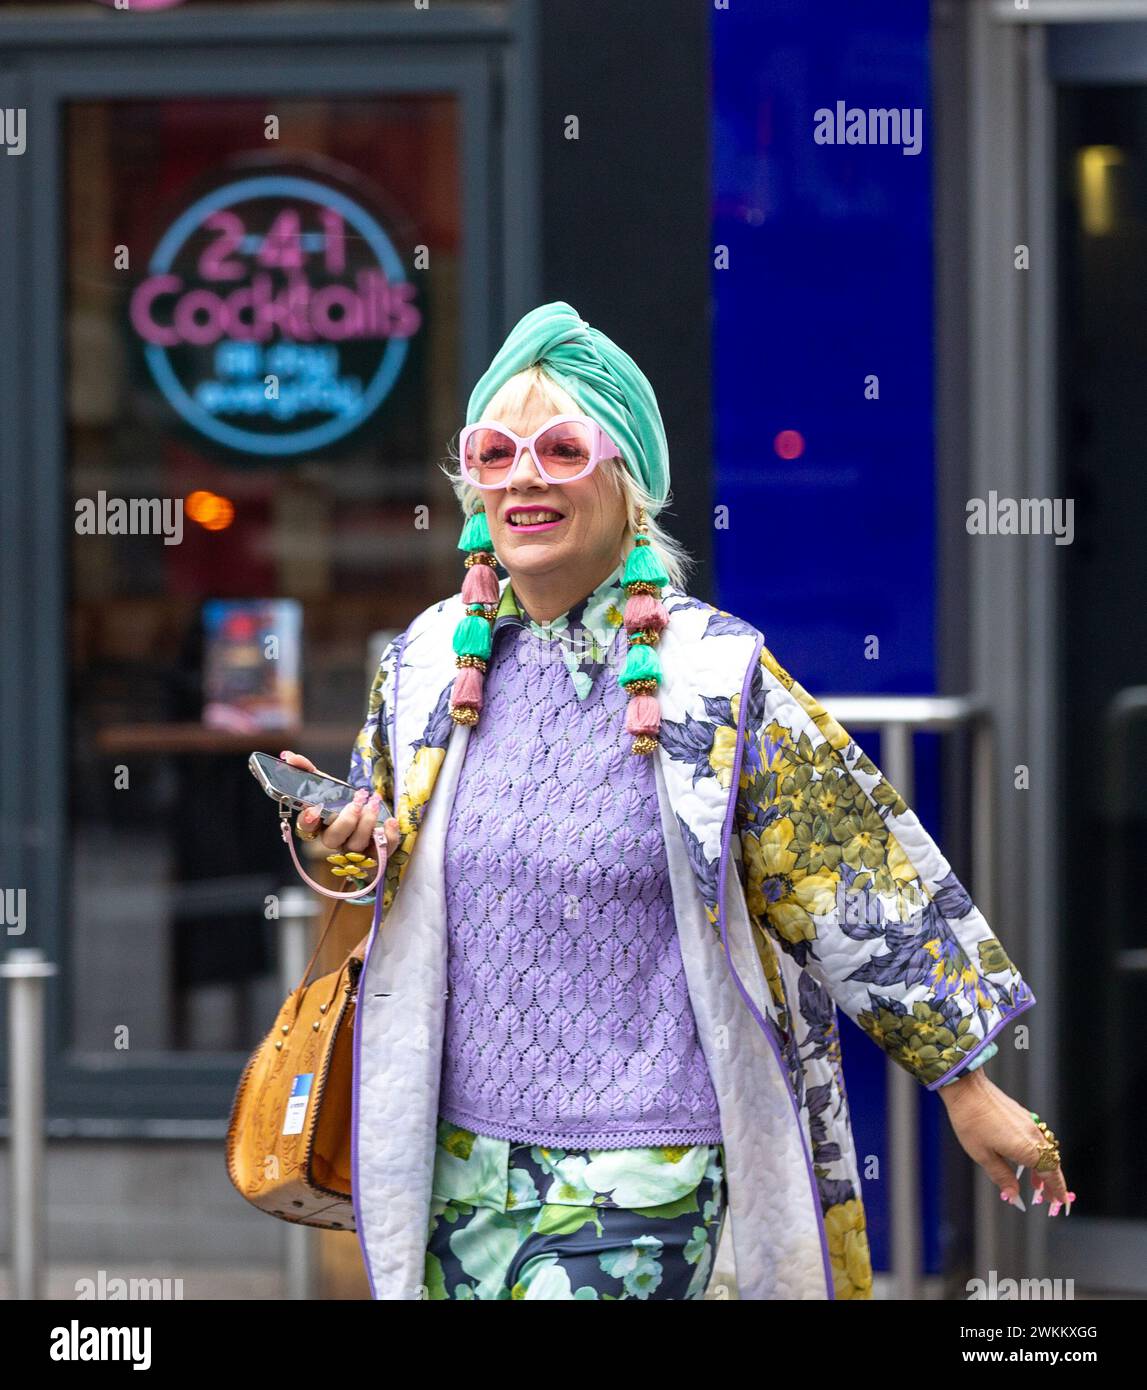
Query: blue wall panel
829	282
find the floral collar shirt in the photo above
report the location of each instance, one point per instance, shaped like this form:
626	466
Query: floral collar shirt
586	632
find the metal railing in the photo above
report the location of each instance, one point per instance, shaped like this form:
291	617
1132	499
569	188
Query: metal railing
896	718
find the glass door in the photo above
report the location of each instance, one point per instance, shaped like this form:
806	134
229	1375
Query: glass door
271	359
1100	86
259	287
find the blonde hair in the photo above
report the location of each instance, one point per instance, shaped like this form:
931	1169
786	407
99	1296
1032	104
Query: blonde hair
510	403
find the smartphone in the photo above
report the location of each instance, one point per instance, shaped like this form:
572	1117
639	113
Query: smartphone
296	787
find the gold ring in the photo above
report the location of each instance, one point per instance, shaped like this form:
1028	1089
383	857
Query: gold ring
1048	1160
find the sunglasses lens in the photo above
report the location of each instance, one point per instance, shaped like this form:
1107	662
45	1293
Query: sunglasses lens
565	450
489	454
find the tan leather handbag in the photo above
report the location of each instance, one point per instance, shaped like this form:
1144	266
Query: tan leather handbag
289	1138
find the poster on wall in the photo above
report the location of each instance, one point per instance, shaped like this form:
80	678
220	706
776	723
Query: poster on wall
252	674
275	313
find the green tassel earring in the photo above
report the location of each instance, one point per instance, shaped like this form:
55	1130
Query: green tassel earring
474	635
645	619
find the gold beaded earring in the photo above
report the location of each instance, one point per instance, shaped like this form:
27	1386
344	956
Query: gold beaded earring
645	619
473	637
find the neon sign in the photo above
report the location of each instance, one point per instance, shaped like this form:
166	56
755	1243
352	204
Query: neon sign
275	315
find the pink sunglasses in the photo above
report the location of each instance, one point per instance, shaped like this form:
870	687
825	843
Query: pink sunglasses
565	448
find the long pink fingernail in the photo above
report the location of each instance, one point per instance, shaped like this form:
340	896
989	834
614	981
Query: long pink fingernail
1037	1197
311	814
360	796
1053	1210
375	802
286	753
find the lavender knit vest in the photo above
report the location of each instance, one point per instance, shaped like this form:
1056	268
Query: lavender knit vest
568	1019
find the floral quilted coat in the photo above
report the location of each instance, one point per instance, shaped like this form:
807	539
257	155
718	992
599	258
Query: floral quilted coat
803	884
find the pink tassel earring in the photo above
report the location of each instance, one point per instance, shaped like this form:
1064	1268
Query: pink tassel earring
473	637
645	619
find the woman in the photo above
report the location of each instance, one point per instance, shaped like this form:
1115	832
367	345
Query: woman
601	1012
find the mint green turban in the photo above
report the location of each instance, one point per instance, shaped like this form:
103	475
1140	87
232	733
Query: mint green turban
605	381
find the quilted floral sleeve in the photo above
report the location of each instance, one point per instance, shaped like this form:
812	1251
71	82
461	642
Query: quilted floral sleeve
370	761
977	1061
371	764
843	875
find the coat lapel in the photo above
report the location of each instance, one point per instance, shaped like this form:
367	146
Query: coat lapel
418	694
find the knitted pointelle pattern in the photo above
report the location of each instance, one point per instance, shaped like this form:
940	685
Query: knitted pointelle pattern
568	1016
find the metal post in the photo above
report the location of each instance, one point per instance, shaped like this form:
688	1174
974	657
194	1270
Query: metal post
986	1253
903	1090
27	970
298	910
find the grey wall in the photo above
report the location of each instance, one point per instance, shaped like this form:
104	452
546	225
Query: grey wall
626	211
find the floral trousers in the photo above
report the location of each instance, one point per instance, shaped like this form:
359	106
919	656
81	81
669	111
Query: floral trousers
529	1248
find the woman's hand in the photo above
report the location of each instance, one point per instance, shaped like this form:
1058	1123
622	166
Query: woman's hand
1000	1134
353	827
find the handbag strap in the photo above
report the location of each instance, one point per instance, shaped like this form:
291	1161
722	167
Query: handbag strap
358	953
379	838
298	990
